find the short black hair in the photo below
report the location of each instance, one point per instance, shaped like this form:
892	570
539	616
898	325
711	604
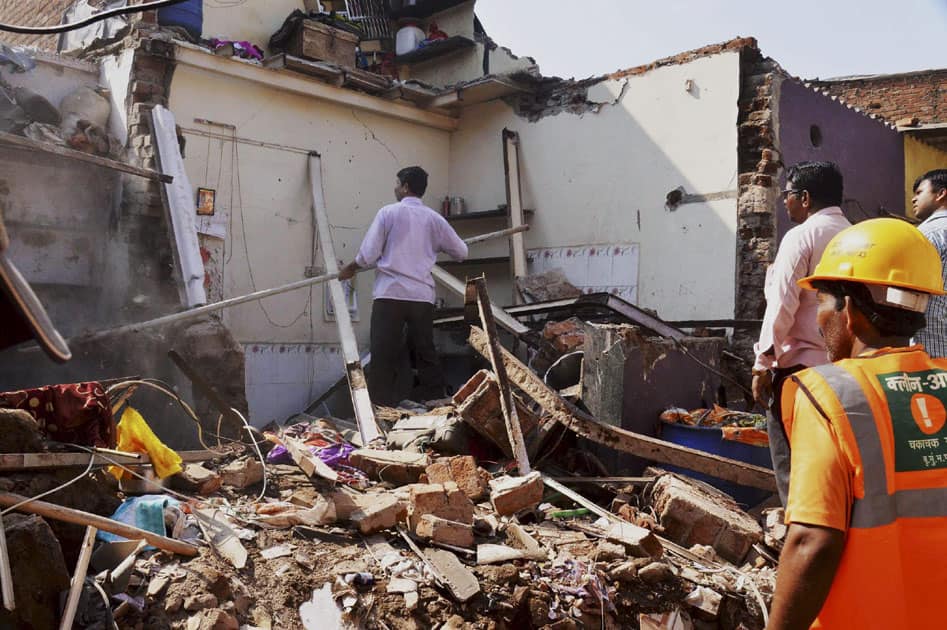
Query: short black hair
890	321
937	178
822	180
415	178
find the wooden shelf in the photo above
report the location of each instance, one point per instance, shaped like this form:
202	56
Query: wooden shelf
424	8
492	260
498	213
436	49
20	142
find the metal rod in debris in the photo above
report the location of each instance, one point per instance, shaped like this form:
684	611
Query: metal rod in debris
252	297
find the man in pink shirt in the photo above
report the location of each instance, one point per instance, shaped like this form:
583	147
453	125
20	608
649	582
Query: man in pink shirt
789	338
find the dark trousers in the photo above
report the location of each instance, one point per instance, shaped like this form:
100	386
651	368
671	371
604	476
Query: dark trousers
778	441
390	319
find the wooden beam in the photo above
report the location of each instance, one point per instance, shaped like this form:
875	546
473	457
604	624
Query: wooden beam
78	517
6	575
21	142
477	293
458	288
358	386
38	461
78	579
619	439
514	200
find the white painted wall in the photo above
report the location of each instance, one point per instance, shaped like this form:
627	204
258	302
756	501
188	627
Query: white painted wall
590	177
267	194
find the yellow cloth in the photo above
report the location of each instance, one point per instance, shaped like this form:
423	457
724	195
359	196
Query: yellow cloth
135	436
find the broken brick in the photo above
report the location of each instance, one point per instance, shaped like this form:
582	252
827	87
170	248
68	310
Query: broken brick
242	473
478	403
197	479
446	501
510	495
377	512
691	514
396	467
463	471
444	531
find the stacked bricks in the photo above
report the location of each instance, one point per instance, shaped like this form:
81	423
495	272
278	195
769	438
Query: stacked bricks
921	95
33	13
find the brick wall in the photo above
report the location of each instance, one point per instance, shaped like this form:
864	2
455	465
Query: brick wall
32	13
893	97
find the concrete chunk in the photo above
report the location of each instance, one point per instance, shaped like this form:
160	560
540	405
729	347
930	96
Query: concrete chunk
242	473
396	467
637	540
510	495
378	512
446	532
691	514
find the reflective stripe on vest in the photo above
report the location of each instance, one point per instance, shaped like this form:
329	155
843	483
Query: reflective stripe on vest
877	508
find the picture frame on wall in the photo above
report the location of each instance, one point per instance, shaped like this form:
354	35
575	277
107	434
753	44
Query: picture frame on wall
205	201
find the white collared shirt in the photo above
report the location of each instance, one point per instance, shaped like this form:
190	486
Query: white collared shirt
934	336
404	240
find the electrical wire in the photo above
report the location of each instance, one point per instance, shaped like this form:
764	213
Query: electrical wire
167	391
56	489
92	19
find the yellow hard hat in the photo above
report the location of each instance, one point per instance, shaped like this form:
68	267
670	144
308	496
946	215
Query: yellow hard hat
881	252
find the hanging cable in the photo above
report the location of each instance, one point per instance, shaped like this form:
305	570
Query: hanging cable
92	19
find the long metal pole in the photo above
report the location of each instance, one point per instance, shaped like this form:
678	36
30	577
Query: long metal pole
251	297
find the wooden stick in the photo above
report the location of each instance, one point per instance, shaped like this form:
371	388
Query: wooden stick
78	579
514	200
69	515
6	575
620	439
358	386
38	461
127	563
477	291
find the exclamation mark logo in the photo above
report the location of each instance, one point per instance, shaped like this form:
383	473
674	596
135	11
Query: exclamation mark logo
928	412
925	417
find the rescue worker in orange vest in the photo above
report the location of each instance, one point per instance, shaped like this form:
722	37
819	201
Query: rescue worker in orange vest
867	507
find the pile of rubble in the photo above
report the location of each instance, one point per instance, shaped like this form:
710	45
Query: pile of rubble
328	534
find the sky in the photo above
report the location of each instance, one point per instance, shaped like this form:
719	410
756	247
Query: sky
809	38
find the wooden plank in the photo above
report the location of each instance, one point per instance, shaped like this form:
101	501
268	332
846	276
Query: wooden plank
358	386
458	288
78	517
53	149
78	579
620	439
309	463
477	292
514	200
38	461
6	576
180	208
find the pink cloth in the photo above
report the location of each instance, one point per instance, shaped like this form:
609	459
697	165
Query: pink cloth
790	332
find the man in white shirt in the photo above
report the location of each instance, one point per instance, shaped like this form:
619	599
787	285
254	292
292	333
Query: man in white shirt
789	337
404	241
930	206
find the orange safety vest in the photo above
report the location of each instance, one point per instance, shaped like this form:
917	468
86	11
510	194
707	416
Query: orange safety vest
888	412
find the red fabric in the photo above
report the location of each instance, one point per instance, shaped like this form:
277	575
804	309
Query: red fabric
78	413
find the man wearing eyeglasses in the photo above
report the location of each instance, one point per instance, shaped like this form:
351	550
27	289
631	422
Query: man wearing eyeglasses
789	337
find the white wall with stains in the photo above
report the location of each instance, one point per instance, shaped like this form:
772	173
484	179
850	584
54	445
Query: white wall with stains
264	193
602	178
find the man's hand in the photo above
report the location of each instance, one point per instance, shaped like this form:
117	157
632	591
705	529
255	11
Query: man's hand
763	388
348	271
807	566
